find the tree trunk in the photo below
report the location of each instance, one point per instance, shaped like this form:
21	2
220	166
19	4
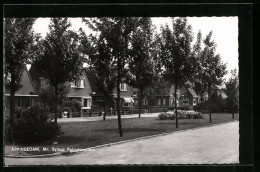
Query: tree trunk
118	99
140	102
104	115
56	102
104	107
233	116
209	105
176	113
12	107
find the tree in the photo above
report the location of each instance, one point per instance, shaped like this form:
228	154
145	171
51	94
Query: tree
212	69
116	33
18	45
176	54
232	91
61	61
199	86
140	63
101	66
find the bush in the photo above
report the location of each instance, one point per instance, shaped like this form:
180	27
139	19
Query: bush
18	112
181	115
33	127
73	104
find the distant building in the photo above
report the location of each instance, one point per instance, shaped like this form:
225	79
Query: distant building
217	90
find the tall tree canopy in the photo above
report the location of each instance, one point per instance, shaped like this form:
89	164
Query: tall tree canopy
212	69
232	91
19	48
101	65
176	57
141	62
116	32
61	60
199	86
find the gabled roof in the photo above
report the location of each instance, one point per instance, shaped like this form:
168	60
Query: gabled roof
93	81
27	86
192	92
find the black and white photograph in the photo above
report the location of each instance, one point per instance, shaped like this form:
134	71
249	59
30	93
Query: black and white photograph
121	90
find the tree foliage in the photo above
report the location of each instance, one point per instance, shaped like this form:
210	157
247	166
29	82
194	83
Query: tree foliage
199	86
116	33
176	56
232	91
140	62
101	65
18	50
61	60
211	68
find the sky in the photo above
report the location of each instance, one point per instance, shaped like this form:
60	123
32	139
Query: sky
225	33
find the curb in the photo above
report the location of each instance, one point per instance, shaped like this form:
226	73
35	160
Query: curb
34	156
115	143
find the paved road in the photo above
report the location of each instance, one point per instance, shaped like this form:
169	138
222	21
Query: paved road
217	144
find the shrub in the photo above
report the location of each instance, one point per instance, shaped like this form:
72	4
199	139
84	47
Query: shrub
18	112
181	115
163	116
33	127
73	104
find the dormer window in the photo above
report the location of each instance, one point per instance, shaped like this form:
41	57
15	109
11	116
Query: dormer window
78	83
44	82
123	87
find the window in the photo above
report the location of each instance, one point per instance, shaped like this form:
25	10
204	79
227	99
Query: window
194	102
171	102
159	101
44	82
123	87
185	102
164	101
126	105
18	102
86	102
78	83
99	99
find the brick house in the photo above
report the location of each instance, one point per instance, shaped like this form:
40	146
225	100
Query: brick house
217	90
25	95
185	97
78	90
126	94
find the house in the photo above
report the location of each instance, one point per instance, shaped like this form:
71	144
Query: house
98	99
78	90
188	97
185	97
218	90
25	95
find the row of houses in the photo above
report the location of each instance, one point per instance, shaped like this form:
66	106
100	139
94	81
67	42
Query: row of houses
86	91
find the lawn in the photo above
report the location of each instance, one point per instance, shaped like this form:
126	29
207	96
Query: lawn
93	133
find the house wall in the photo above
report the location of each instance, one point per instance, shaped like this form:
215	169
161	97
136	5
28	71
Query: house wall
81	92
127	93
